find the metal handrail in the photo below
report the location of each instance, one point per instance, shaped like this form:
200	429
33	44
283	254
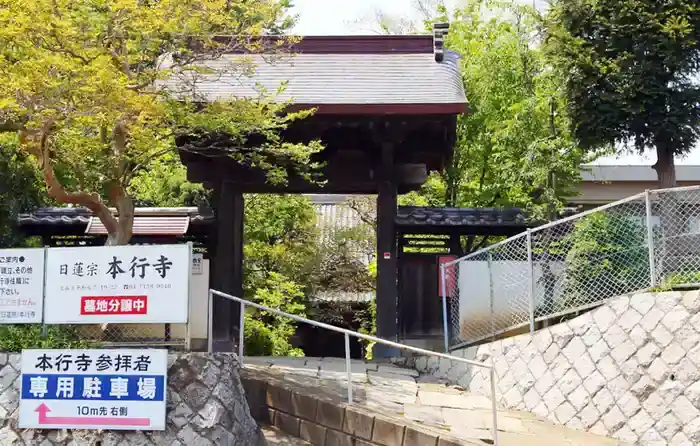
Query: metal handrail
347	334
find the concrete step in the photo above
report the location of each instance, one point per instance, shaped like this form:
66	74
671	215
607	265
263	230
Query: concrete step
306	398
277	437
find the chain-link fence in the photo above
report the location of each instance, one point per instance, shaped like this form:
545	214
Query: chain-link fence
171	336
575	264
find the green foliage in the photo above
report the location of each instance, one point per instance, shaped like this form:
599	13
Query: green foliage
281	237
99	90
342	260
14	338
678	280
280	252
515	140
20	190
630	71
164	184
265	333
369	327
606	255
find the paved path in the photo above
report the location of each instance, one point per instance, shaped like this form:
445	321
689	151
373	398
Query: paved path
402	392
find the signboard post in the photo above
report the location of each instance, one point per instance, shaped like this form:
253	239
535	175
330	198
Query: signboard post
117	284
21	285
93	389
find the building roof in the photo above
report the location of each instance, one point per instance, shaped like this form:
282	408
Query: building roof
605	173
347	75
147	221
422	216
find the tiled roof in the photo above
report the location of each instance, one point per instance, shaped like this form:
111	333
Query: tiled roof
156	225
56	216
151	221
396	78
414	216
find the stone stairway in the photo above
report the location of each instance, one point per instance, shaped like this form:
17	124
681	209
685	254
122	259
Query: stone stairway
306	398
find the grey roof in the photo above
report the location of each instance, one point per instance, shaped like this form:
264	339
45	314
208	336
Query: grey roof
605	173
389	78
54	216
418	216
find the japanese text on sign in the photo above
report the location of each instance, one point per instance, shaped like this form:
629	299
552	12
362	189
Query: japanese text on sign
114	268
118	284
98	389
21	285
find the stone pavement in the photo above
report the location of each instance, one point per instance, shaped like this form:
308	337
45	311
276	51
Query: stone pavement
419	401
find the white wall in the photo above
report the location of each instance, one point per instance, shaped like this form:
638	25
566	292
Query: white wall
511	294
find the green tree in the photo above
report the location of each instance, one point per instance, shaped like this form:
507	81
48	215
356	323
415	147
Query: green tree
606	255
98	89
630	70
514	148
280	255
164	184
20	190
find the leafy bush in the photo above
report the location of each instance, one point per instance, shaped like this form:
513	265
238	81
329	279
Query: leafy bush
14	338
607	256
267	334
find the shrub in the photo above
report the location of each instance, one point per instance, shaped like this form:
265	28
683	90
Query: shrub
607	256
15	338
267	334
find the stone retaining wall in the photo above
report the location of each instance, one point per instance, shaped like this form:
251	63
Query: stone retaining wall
320	417
206	405
628	369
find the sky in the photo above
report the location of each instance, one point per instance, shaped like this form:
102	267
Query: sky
334	17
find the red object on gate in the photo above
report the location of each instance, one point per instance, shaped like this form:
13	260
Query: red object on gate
101	305
450	274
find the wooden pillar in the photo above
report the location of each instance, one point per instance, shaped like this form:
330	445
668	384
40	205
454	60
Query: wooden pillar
227	264
455	244
387	293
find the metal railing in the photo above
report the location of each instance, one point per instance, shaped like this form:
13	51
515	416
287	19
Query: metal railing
573	264
347	334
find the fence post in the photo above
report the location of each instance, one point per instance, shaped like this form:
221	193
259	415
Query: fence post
210	324
494	407
241	333
490	268
44	329
531	277
650	238
188	327
348	366
444	308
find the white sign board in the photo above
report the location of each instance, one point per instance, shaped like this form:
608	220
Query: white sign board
93	389
21	285
117	284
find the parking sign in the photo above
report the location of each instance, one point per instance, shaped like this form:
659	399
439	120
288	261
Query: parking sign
93	389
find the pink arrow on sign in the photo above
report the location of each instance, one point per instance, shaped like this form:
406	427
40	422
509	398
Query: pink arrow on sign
43	409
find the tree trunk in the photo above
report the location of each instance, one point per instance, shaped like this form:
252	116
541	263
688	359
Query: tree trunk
665	167
119	230
666	260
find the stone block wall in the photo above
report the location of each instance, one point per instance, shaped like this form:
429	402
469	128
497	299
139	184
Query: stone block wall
629	369
206	405
323	419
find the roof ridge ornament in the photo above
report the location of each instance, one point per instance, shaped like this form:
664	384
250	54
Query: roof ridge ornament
440	30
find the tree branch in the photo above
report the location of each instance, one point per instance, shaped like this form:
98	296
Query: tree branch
56	190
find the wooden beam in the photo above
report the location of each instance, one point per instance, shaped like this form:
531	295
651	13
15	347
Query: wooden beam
341	178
